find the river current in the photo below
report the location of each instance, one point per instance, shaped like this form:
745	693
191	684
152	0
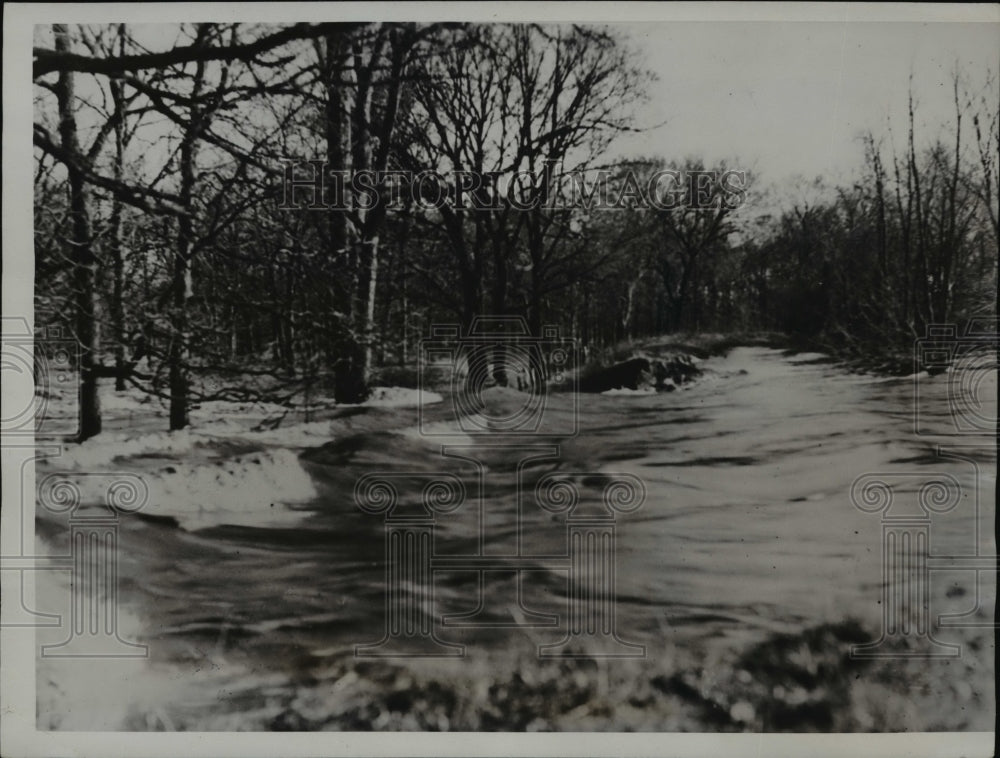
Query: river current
748	533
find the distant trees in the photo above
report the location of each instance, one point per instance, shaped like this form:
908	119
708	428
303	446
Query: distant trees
676	232
695	238
910	244
511	109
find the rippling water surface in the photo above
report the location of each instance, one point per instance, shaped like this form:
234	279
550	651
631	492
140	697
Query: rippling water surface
748	530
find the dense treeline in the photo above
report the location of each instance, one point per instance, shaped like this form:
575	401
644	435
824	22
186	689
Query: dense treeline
912	243
167	242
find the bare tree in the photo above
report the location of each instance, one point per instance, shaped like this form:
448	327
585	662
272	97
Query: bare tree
80	245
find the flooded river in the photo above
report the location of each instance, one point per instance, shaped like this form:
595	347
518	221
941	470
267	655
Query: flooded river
747	563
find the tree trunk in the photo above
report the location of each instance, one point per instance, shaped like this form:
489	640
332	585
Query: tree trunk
357	363
368	283
178	354
341	132
117	258
81	251
182	288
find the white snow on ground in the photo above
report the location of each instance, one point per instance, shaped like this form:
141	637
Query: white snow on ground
626	391
250	490
193	475
254	489
806	357
132	402
401	397
99	452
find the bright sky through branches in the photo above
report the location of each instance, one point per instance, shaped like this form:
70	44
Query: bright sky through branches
793	98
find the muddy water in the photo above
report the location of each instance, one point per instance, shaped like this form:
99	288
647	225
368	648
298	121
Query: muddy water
748	531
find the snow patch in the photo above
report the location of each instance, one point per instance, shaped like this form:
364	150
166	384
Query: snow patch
254	489
106	447
625	391
249	490
200	476
401	397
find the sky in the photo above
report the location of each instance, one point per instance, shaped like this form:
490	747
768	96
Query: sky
792	99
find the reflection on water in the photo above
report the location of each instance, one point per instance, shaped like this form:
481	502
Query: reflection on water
748	531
